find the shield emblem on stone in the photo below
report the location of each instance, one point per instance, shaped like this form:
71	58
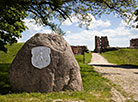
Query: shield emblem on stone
40	57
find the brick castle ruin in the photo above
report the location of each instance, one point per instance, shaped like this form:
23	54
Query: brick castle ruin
134	43
102	44
79	49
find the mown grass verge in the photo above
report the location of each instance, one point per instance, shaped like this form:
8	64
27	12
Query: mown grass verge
95	87
122	56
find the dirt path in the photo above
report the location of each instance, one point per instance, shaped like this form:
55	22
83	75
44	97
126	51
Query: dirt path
125	77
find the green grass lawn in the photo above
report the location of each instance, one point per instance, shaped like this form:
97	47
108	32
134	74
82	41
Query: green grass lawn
122	56
95	87
11	53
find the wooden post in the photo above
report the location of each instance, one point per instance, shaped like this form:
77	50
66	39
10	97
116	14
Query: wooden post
83	57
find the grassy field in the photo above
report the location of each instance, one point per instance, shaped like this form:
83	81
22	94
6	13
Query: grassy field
95	87
122	56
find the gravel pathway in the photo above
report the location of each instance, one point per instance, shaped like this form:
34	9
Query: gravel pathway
125	77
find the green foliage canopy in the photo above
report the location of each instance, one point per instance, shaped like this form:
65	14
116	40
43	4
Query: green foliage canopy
46	12
11	24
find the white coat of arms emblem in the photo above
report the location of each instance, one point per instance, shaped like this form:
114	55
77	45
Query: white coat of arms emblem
40	57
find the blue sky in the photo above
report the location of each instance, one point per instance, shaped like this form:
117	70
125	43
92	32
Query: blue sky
115	28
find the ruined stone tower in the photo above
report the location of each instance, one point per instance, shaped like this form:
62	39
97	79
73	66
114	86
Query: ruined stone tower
104	42
101	44
134	43
97	44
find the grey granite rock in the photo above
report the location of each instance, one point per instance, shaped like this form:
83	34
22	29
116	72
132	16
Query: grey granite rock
63	72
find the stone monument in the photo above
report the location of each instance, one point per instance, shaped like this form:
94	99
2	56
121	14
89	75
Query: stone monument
45	63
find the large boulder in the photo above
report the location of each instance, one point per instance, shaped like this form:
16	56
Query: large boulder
45	63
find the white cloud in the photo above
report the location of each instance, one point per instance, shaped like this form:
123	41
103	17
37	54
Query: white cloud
133	36
69	22
99	23
119	41
33	29
121	30
93	24
68	32
30	23
85	37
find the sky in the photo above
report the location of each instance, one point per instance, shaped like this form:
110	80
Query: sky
118	32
